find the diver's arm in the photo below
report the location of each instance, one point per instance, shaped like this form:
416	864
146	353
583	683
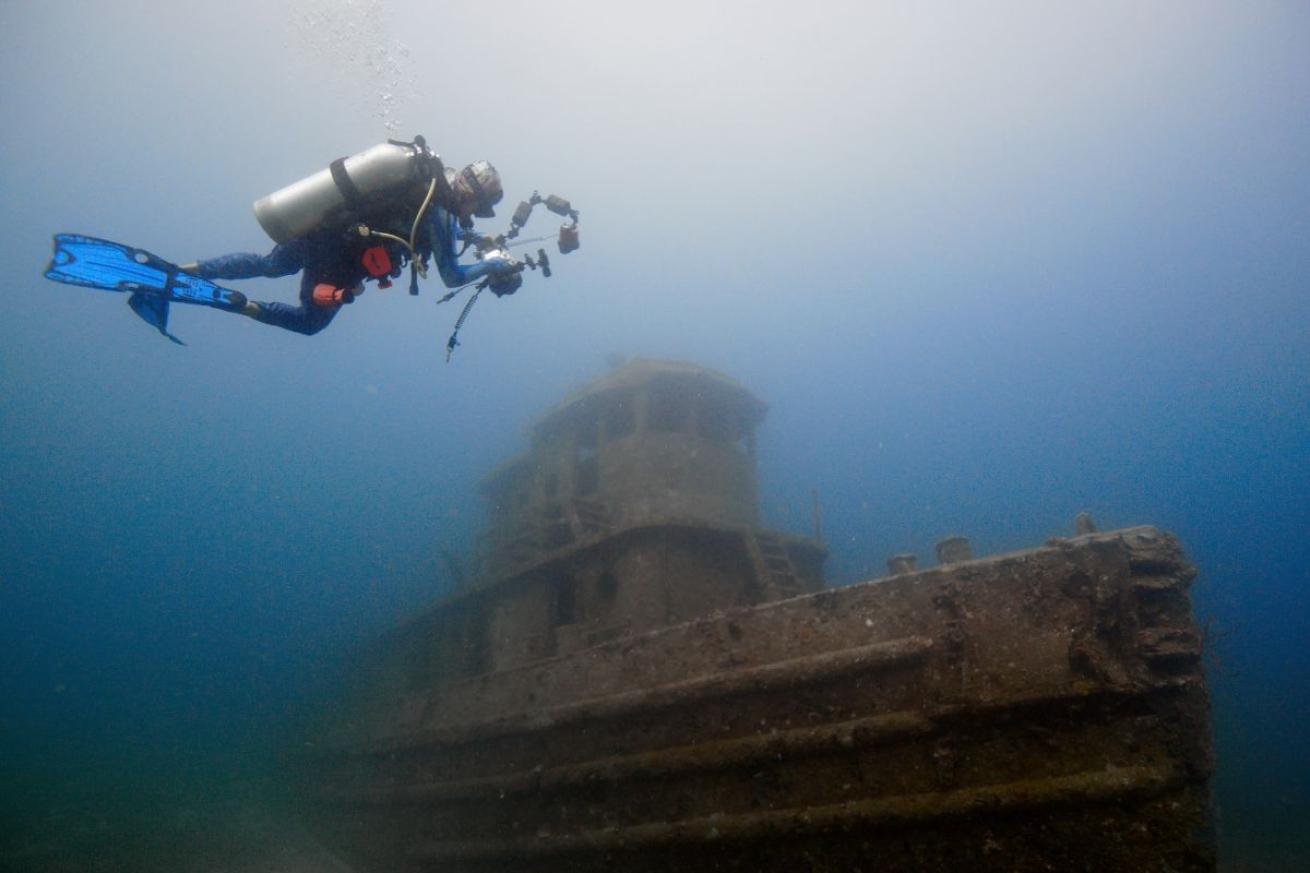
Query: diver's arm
443	234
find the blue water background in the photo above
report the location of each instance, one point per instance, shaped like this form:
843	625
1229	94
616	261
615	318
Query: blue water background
988	268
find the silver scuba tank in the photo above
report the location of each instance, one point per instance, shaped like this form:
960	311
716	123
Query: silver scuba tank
303	206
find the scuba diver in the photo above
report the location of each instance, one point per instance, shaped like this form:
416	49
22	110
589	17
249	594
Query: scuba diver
337	258
364	218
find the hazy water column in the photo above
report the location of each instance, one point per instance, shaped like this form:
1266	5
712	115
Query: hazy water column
350	45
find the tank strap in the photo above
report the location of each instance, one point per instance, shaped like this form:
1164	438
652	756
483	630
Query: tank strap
445	195
354	199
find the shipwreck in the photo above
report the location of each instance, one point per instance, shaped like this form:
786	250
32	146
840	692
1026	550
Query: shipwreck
640	677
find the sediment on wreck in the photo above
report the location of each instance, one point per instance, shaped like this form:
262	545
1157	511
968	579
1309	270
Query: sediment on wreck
653	680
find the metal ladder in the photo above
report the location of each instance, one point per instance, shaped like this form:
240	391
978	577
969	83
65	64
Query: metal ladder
773	565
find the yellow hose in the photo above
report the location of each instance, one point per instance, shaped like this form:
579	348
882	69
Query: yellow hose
413	232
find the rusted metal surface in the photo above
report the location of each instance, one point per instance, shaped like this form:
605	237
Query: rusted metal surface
1036	710
1111	785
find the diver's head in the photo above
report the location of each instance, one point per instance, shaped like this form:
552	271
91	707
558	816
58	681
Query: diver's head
477	189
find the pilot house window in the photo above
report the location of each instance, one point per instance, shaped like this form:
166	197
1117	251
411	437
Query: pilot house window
587	472
607	587
586	466
715	421
566	600
620	418
668	412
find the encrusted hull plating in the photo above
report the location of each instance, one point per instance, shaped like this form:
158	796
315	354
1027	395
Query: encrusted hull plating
1040	710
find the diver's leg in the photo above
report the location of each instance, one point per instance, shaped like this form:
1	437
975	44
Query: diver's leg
284	260
307	318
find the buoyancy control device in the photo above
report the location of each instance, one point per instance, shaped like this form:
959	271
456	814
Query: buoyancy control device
348	185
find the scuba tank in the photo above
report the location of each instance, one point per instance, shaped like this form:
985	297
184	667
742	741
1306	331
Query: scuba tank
347	185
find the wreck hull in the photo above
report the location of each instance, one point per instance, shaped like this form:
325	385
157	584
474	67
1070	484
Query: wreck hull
1038	710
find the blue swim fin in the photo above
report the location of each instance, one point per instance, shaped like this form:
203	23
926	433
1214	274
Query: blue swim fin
153	309
153	282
